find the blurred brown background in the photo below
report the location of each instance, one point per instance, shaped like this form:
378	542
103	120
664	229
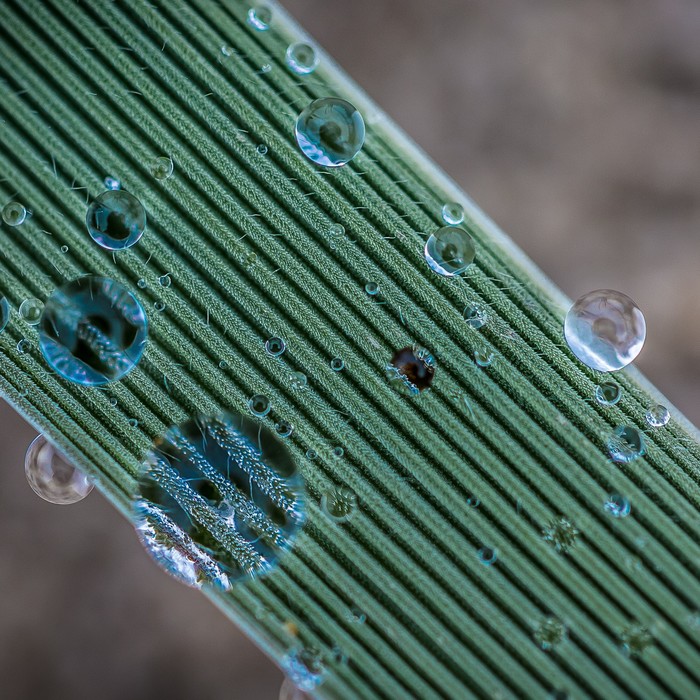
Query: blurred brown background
574	125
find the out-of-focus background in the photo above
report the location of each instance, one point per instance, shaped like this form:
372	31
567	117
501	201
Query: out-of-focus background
576	126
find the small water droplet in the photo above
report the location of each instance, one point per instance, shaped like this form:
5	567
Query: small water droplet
284	428
473	501
372	288
142	284
357	616
608	393
549	633
30	311
111	183
223	364
337	364
265	68
330	131
338	451
162	167
260	17
259	405
226	50
23	346
93	331
449	251
336	230
487	555
275	346
261	148
339	503
304	668
635	639
476	316
658	416
626	444
311	455
113	401
605	329
52	476
301	58
165	280
411	370
452	213
64	249
133	423
298	380
159	306
14	214
116	220
561	534
618	506
4	312
483	358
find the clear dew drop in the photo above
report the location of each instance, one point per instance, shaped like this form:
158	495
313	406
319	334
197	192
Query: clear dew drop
330	131
289	691
561	534
658	416
301	58
549	633
473	501
608	393
23	346
92	331
159	306
298	381
111	183
14	214
339	503
133	423
304	668
260	17
487	555
275	346
219	499
162	167
449	251
4	312
116	220
338	452
165	280
372	289
30	311
259	405
476	316
284	428
311	455
483	358
626	444
452	213
261	148
605	329
52	476
64	249
617	506
337	364
411	370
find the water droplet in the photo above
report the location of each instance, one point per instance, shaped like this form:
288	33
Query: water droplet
411	370
142	284
473	501
159	306
357	616
336	230
93	331
617	506
330	131
260	17
165	280
64	249
52	476
605	329
487	555
265	68
226	50
338	451
284	428
133	423
4	312
337	364
23	346
372	288
452	213
635	639
162	167
289	691
111	183
113	401
304	668
483	358
275	346
658	416
261	149
626	444
449	251
301	58
30	311
223	364
339	503
561	534
259	405
14	214
311	455
219	499
608	393
549	633
476	316
116	220
298	380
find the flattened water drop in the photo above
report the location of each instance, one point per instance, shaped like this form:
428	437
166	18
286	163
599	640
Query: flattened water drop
626	444
219	499
339	503
4	312
30	311
411	370
260	17
608	393
449	251
301	58
14	214
116	220
617	506
658	416
52	476
330	131
93	331
452	213
605	329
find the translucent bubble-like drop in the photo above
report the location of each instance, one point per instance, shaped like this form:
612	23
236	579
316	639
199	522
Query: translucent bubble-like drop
608	393
330	131
626	444
617	506
275	346
605	329
476	316
219	499
301	58
339	503
52	476
449	251
260	17
259	405
14	214
4	312
452	213
483	358
487	555
372	289
284	428
93	331
658	416
116	220
162	167
411	370
298	380
30	311
337	364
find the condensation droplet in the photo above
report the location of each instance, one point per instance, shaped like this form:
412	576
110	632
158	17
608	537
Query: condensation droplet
336	230
30	311
275	346
304	668
339	503
618	506
284	428
301	58
338	451
133	423
449	251
261	148
219	499
159	306
165	280
330	131
476	316
116	220
111	183
452	213
337	364
411	370
483	358
52	476
549	633
608	393
311	455
298	380
561	534
259	405
162	167
372	288
487	555
4	312
635	639
223	364
357	616
64	249
626	444
658	416
93	331
14	214
260	17
605	329
226	50
113	401
473	501
142	284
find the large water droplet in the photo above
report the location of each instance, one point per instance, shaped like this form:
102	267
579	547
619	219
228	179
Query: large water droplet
339	503
93	331
219	499
14	214
330	131
260	17
617	506
30	311
411	370
549	633
658	416
116	220
52	476
608	393
4	312
452	213
449	251
301	58
626	444
605	329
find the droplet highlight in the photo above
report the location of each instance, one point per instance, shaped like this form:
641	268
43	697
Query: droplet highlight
301	58
116	220
449	251
14	214
626	444
411	370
